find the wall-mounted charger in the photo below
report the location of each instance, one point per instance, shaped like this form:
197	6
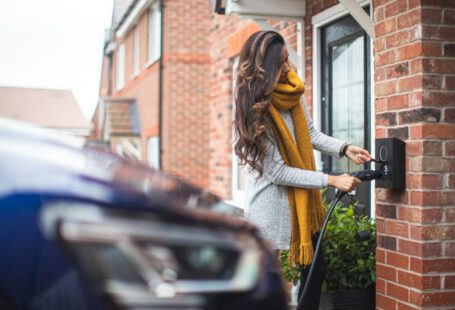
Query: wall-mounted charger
393	152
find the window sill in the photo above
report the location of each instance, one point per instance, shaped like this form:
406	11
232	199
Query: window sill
151	62
119	87
134	75
234	203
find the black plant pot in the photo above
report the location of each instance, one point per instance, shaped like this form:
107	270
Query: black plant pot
359	299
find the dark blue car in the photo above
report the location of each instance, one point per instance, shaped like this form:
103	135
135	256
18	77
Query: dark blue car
84	229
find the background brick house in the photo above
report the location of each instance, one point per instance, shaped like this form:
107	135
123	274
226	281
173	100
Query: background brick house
401	83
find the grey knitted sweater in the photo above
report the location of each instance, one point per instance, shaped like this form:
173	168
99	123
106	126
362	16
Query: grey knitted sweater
266	200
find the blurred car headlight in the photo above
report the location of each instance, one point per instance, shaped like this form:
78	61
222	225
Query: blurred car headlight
148	261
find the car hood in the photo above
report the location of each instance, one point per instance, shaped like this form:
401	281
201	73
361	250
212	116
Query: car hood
33	160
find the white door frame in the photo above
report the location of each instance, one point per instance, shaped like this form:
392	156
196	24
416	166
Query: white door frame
318	21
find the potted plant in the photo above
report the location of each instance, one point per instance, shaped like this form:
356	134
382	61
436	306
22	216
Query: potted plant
350	279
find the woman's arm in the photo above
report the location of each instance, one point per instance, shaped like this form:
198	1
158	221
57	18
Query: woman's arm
278	172
321	141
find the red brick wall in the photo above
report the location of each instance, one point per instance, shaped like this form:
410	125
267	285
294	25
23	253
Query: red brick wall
186	89
142	87
220	103
143	29
104	83
129	55
414	69
114	72
95	134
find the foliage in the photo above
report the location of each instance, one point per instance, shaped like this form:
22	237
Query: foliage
291	273
350	264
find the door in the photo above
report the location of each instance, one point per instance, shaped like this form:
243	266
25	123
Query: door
345	94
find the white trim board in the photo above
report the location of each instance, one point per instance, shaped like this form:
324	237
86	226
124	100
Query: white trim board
333	13
360	16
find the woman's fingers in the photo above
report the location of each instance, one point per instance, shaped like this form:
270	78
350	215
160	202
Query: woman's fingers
347	183
365	155
344	182
358	155
355	183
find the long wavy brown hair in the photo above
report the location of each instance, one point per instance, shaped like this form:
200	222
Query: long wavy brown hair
259	65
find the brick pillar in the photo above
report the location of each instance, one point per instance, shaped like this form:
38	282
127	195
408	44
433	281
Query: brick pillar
415	99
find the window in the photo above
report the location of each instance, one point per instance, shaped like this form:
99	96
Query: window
136	51
153	152
238	172
120	67
154	37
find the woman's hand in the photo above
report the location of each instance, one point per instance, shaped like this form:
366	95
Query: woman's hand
344	182
358	155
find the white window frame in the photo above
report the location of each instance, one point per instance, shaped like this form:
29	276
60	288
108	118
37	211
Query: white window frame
154	34
237	195
153	152
318	21
136	51
120	82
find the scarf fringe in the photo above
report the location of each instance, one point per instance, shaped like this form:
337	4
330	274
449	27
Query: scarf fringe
302	254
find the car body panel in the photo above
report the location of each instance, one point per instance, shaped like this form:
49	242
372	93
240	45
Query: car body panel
38	269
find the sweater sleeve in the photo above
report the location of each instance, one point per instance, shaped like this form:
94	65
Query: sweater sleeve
279	173
322	142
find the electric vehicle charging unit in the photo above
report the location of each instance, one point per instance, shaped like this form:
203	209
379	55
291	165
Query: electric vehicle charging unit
364	175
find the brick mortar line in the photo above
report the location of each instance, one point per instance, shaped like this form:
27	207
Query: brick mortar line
398	78
418	57
423	208
421	73
417	123
443	92
423	40
417	6
429	207
417	307
431	140
404	221
398	300
407	110
422	275
441	290
386	234
420	242
386	251
426	173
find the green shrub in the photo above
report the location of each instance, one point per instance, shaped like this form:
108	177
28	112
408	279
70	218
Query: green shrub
350	264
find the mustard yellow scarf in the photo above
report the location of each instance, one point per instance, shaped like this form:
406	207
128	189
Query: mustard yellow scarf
306	204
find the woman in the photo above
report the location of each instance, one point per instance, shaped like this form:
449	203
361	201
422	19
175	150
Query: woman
275	139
